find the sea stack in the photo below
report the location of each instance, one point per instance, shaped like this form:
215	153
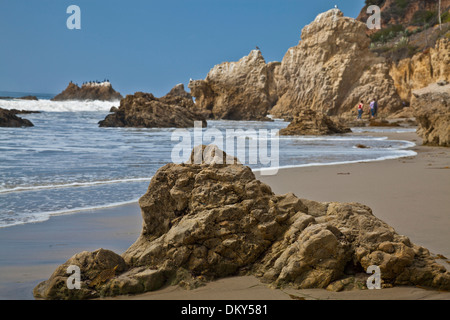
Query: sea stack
144	110
102	91
8	118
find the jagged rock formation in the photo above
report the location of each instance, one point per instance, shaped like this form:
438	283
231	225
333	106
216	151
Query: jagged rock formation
236	90
8	118
210	220
422	69
143	110
95	91
431	107
309	122
332	69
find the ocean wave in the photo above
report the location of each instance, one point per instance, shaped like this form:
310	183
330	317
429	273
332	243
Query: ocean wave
58	106
384	130
407	153
328	138
44	216
71	185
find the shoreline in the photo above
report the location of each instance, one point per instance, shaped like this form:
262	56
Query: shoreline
49	215
418	185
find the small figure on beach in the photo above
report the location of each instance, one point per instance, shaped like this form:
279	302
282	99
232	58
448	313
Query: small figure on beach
373	108
360	109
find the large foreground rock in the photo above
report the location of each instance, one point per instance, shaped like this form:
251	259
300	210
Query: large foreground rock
210	220
143	110
332	69
8	118
431	107
236	90
309	122
90	91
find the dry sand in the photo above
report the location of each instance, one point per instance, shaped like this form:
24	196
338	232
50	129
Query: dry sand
410	194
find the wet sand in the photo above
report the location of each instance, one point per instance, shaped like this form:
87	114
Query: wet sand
30	253
410	194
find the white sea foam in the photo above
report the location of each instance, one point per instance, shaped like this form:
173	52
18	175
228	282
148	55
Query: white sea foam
58	106
405	153
328	138
71	185
384	130
44	216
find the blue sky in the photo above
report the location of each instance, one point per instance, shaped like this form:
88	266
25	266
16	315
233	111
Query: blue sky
143	45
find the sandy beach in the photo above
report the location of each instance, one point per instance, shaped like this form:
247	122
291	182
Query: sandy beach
410	194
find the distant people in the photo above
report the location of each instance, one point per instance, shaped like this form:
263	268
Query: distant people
360	109
372	108
375	108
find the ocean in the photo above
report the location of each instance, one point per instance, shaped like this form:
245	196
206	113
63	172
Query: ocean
67	164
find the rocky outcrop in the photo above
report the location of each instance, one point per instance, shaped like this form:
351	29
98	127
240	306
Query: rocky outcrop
90	91
143	110
206	220
332	69
309	122
32	98
431	107
422	69
95	268
236	90
8	118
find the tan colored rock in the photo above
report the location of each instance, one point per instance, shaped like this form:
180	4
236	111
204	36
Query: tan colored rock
422	69
91	265
207	221
309	122
332	69
236	90
431	107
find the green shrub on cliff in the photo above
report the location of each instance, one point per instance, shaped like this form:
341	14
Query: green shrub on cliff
424	17
387	34
446	17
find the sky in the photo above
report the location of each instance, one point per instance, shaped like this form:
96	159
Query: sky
144	45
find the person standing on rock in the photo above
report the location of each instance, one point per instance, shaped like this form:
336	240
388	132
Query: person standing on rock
372	108
375	108
360	110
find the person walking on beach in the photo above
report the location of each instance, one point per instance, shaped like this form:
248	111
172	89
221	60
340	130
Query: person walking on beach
360	109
